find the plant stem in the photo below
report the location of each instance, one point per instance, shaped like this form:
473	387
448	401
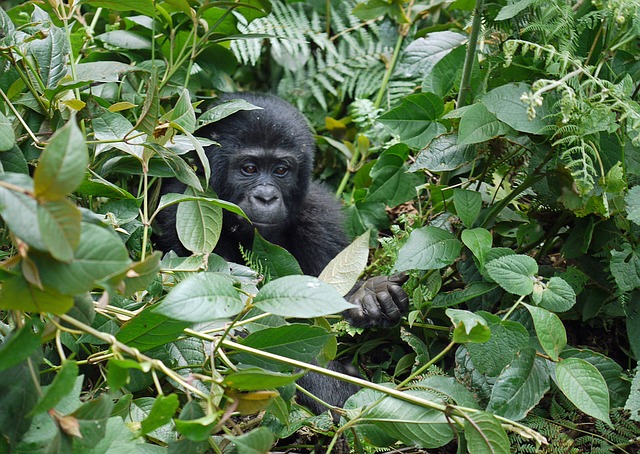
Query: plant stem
390	68
465	84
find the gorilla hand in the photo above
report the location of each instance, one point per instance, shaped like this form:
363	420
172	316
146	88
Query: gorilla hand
381	302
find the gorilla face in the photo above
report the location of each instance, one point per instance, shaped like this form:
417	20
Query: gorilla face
263	183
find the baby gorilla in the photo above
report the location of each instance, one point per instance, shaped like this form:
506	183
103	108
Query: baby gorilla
263	164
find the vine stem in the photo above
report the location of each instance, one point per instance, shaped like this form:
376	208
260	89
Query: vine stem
465	84
390	68
135	353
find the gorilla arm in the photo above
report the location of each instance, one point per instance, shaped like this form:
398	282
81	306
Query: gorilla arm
319	236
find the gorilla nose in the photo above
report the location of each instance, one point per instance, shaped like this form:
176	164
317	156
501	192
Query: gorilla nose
265	195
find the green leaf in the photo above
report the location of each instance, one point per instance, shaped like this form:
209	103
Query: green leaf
173	198
443	154
625	268
201	298
412	424
617	380
520	386
633	322
295	341
161	413
198	223
478	125
485	434
504	102
584	386
51	54
479	243
556	295
300	296
507	339
514	273
223	110
428	248
19	210
99	256
632	201
59	222
62	164
513	8
446	73
63	383
254	379
20	295
550	330
468	327
393	185
257	441
468	205
125	39
414	120
182	116
422	54
343	270
149	329
141	6
141	274
7	136
18	346
113	128
193	424
275	261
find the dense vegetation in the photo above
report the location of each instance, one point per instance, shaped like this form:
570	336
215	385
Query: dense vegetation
490	149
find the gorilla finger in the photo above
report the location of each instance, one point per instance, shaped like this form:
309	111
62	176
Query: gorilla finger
399	278
371	308
388	306
400	297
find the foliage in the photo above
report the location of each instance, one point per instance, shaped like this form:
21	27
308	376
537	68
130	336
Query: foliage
497	164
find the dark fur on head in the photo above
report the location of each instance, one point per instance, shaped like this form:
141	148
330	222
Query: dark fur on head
252	129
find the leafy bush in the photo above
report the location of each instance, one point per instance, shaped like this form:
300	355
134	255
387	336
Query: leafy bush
497	164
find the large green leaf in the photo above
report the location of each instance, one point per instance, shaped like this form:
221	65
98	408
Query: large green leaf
274	261
19	210
63	163
59	223
20	295
468	205
99	256
514	273
479	125
201	298
409	423
584	386
140	6
414	120
300	296
520	386
550	330
150	329
296	341
7	136
255	441
485	434
505	103
442	154
428	248
63	383
51	54
198	223
345	268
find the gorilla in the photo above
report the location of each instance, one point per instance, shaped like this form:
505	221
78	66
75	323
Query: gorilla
263	163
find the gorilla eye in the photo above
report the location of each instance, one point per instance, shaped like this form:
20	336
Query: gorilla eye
281	171
249	169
